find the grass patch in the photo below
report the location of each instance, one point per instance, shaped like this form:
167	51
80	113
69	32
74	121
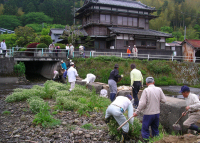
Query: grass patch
6	112
88	126
134	130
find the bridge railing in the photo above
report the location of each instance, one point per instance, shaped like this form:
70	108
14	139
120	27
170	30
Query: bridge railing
61	53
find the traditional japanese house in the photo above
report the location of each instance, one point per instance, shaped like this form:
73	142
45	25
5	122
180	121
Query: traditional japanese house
117	24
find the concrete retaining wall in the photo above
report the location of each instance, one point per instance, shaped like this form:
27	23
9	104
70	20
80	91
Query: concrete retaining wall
6	66
170	111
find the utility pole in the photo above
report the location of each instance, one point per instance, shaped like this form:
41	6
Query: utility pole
185	33
74	12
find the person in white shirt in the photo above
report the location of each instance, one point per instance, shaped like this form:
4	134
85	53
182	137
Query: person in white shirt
71	49
135	51
3	46
67	50
117	109
89	78
81	50
193	107
72	74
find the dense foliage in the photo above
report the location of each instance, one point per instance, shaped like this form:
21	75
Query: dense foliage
20	69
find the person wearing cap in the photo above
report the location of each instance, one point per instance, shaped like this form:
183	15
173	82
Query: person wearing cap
129	51
150	105
112	82
68	65
117	109
193	108
136	83
135	51
72	74
63	65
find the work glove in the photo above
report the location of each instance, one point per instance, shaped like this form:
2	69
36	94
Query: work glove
122	75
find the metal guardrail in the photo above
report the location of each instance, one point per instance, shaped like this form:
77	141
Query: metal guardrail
61	53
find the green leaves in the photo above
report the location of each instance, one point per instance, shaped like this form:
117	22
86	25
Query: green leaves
20	69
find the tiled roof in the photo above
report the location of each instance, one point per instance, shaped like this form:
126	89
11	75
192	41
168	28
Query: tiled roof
57	31
2	30
194	43
139	32
82	31
124	3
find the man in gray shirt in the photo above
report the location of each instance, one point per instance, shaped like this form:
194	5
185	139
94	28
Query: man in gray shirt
150	104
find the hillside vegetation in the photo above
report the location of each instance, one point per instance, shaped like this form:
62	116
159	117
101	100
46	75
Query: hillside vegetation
164	72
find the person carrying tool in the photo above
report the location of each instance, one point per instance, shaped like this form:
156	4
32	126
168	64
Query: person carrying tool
150	105
72	74
112	82
193	107
136	83
117	109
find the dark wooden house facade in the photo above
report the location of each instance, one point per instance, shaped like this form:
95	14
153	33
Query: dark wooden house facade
119	23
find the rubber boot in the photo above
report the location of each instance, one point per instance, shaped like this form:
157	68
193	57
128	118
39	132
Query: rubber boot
194	127
124	134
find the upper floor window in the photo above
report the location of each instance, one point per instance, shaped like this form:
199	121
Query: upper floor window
127	21
105	18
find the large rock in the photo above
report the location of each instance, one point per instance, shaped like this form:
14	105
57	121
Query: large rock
80	82
170	113
96	86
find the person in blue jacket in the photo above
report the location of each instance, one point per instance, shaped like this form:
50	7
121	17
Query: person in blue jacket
63	65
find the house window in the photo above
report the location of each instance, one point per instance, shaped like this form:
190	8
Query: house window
130	21
125	19
104	18
135	22
147	43
125	42
119	20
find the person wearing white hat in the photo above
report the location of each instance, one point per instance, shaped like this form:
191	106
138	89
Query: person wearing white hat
72	74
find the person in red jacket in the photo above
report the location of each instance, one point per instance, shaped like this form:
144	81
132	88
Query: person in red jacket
129	51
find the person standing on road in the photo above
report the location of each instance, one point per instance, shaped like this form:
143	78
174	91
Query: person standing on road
129	51
71	49
150	105
3	46
51	49
135	51
72	74
193	107
136	83
117	109
67	50
112	82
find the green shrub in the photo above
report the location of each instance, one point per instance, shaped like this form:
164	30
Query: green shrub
62	46
158	67
35	104
134	130
22	49
45	118
42	45
46	39
143	72
6	112
20	69
126	64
